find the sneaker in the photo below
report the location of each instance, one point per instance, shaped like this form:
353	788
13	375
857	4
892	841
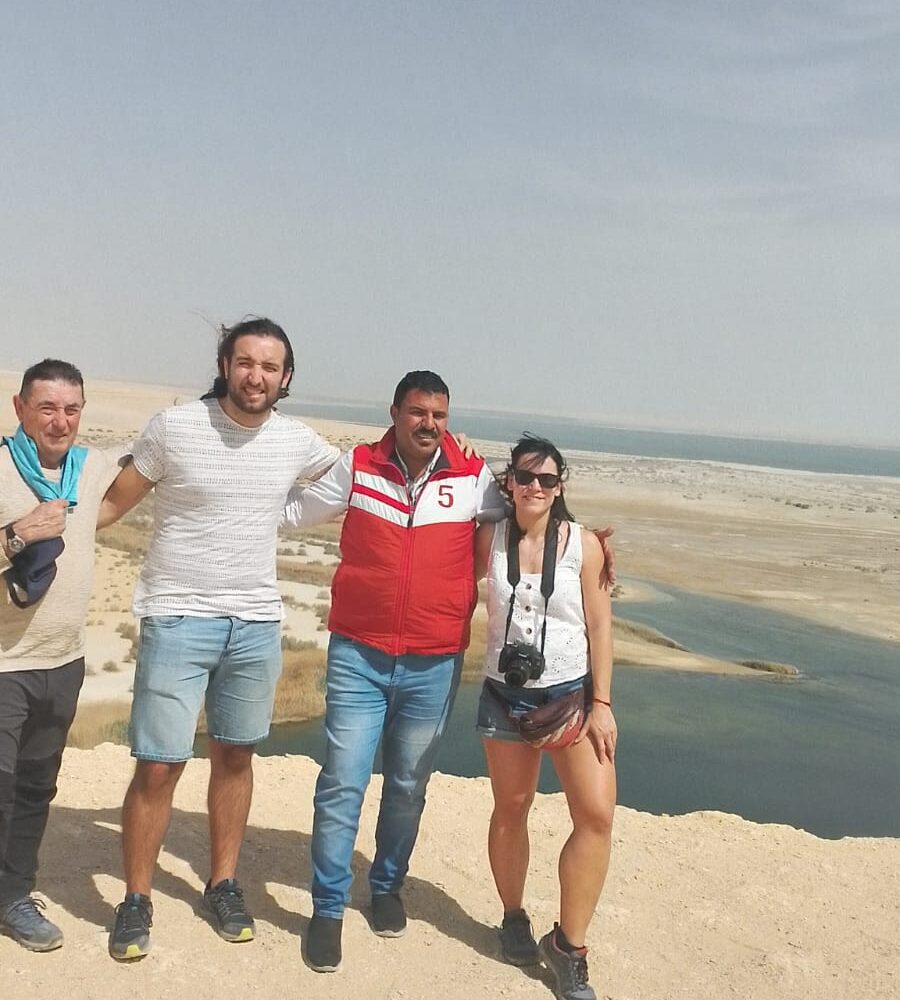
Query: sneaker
568	967
22	920
130	938
323	943
388	915
517	941
225	903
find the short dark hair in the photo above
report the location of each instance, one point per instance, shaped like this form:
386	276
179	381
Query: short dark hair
250	326
51	370
540	448
424	382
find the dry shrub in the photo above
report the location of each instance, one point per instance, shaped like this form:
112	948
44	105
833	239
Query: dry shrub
328	532
315	573
99	722
301	690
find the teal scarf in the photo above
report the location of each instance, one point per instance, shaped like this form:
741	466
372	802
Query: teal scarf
25	457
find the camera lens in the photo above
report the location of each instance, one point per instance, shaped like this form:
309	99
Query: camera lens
515	677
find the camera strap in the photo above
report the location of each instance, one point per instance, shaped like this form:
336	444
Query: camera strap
548	569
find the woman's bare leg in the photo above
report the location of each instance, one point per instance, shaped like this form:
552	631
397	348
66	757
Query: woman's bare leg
590	789
513	768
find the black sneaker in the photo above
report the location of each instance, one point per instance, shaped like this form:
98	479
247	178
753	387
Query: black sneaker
225	904
323	943
569	968
517	940
130	937
22	920
388	915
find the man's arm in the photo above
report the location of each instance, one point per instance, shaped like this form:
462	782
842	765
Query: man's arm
47	520
323	500
128	488
490	503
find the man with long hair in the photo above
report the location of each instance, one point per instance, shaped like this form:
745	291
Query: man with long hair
210	610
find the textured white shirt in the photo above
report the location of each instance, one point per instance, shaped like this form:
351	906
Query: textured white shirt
566	648
220	490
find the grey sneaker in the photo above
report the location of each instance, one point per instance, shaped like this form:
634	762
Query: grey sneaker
130	937
388	915
323	944
568	967
517	940
225	904
22	920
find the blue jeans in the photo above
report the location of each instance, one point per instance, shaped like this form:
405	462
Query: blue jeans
404	701
229	664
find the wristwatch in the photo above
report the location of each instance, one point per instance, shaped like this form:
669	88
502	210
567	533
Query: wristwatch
13	543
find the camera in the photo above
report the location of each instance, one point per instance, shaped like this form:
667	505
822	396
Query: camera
520	662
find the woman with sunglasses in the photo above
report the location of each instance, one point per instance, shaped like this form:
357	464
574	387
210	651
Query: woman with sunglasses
549	652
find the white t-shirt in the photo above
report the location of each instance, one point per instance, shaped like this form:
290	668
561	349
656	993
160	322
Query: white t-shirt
566	648
220	491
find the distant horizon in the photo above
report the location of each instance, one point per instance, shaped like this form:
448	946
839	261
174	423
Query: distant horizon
612	424
297	398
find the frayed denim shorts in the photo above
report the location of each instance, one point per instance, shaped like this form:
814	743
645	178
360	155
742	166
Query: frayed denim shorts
229	665
499	701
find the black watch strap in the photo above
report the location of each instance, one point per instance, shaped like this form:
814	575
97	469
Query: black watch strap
13	543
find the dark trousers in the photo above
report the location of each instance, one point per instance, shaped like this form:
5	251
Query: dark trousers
36	711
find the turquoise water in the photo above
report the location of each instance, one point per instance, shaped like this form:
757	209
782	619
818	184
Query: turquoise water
820	753
588	436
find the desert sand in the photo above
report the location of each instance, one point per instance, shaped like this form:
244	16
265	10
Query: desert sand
705	904
702	905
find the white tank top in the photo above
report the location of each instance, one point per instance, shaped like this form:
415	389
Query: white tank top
566	648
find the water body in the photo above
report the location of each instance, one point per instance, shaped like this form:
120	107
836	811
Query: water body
587	436
821	752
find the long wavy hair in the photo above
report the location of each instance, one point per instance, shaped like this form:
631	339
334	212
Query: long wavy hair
254	326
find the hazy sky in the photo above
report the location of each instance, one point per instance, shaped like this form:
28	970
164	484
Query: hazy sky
677	215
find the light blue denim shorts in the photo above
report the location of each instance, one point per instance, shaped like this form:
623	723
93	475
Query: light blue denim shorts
230	665
499	704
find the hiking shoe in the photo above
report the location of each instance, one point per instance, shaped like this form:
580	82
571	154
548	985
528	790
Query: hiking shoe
517	942
323	943
22	920
225	903
568	967
388	915
130	937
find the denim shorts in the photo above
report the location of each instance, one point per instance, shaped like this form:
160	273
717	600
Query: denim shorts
230	665
499	701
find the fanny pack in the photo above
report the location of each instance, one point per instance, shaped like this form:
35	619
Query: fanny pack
553	726
32	571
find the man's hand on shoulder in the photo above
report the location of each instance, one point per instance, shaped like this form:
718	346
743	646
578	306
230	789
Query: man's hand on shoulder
465	446
608	575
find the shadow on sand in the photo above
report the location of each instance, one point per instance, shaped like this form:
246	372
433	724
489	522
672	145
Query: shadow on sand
82	843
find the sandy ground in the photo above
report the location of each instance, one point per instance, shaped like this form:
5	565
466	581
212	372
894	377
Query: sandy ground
703	905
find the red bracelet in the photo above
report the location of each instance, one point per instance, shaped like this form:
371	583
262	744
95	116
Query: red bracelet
600	701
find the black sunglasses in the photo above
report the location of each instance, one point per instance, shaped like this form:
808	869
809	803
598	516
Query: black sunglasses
547	480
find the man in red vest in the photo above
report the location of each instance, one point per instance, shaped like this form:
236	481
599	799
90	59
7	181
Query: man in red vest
402	598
